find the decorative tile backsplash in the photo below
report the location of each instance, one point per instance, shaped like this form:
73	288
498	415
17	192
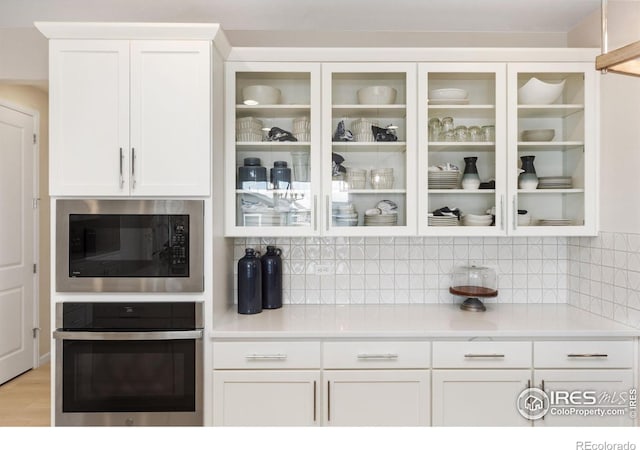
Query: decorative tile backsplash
413	269
604	276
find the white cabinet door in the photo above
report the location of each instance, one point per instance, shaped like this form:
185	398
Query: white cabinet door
376	397
478	397
89	96
265	398
170	117
611	389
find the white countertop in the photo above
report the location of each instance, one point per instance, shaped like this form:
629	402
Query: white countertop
417	321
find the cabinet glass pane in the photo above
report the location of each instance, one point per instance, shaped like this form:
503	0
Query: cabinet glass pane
551	129
273	148
461	134
369	149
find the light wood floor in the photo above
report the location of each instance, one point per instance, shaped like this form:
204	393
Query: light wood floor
25	401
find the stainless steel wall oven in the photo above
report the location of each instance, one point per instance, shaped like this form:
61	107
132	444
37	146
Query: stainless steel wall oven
129	246
129	364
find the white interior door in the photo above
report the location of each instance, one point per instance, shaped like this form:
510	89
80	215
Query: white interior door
17	218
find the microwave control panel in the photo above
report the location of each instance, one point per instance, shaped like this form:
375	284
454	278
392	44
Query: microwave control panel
179	245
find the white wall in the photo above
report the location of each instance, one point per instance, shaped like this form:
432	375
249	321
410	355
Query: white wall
620	121
24	55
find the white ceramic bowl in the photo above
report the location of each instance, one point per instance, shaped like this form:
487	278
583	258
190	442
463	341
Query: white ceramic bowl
536	92
447	94
538	135
260	94
377	95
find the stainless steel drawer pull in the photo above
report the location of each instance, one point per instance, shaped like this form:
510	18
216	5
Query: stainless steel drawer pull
274	357
370	356
587	355
483	355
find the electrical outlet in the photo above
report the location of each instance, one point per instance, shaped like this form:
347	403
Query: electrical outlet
325	268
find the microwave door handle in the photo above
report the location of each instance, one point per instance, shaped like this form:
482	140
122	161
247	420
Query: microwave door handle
128	335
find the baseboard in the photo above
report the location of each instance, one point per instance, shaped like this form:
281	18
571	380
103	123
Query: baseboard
44	359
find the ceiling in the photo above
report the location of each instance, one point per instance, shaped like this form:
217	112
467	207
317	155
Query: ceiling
316	15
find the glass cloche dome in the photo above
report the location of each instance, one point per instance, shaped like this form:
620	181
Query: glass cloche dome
473	282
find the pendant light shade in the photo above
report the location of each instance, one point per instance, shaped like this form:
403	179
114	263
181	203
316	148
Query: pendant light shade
624	60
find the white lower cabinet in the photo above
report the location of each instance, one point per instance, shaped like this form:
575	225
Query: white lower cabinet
376	397
266	397
591	393
472	398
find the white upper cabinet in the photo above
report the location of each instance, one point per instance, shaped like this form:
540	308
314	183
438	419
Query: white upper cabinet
130	117
557	132
272	144
462	128
369	170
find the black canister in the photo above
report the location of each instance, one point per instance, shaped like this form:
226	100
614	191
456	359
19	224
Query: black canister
249	283
272	278
280	175
251	172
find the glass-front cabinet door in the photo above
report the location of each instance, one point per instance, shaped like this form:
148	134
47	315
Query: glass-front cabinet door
462	149
272	147
369	149
552	172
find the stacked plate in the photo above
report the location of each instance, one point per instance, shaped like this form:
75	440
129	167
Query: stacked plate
442	221
270	218
473	220
344	215
450	96
381	220
555	183
443	179
555	222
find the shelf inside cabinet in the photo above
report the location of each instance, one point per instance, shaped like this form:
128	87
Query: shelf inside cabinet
552	191
273	191
375	191
466	111
267	146
559	145
461	146
548	111
366	111
462	191
272	110
370	146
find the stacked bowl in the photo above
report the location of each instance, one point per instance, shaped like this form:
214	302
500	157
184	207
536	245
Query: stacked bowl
443	179
382	178
473	220
361	129
356	178
248	129
344	215
302	129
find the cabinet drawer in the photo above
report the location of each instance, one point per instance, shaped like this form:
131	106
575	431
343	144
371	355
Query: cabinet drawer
576	354
266	355
481	354
376	355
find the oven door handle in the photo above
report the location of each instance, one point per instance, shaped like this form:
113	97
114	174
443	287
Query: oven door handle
128	335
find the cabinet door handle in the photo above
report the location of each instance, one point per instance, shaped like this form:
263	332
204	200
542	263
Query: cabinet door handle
314	400
133	168
515	212
328	401
273	357
121	174
587	355
502	212
542	388
315	213
484	355
328	211
377	356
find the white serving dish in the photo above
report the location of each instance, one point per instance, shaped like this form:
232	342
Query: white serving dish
544	135
260	94
536	92
448	94
377	95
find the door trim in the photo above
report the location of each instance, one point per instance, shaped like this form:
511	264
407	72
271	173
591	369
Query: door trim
35	320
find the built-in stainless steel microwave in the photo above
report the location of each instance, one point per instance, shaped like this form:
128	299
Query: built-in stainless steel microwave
129	245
